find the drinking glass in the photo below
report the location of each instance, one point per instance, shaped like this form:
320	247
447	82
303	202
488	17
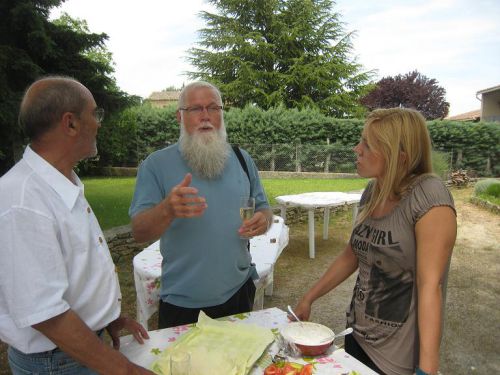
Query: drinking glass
247	208
180	363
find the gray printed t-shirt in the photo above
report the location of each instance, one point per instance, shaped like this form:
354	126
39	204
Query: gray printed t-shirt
383	310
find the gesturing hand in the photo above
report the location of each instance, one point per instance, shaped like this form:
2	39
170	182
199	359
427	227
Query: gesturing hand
183	200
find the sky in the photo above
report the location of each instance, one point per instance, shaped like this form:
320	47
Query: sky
456	42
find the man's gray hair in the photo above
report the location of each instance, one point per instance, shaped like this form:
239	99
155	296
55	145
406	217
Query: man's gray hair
196	85
46	100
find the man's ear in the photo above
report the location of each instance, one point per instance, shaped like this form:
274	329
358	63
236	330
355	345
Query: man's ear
178	114
68	123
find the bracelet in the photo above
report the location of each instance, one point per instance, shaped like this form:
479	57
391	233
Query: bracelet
419	371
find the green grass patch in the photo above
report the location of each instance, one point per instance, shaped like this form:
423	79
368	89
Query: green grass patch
110	197
490	198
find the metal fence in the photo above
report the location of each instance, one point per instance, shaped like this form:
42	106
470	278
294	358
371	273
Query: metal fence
302	157
334	159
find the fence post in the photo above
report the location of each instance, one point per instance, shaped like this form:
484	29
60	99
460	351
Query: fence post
488	166
459	158
298	167
273	159
327	161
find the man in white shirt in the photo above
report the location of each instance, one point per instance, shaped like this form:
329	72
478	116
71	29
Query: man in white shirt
58	285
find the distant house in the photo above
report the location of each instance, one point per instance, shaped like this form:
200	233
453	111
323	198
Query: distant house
163	98
473	116
490	103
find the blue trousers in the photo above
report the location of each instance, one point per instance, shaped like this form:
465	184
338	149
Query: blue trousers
52	362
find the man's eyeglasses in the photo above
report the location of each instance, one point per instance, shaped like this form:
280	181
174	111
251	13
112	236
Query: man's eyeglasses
197	110
99	114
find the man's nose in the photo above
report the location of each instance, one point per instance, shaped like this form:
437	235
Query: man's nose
204	113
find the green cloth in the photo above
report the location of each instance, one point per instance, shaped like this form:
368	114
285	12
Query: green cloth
218	347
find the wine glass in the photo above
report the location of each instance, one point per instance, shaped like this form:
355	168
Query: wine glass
180	363
247	208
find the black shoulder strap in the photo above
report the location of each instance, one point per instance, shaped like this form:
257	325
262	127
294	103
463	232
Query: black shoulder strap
238	153
241	159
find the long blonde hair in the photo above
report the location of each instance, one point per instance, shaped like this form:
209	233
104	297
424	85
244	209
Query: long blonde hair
401	137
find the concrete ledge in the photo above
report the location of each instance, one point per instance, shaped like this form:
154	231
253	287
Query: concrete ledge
132	172
121	242
318	175
485	204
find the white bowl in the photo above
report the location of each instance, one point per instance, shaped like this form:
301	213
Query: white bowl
310	338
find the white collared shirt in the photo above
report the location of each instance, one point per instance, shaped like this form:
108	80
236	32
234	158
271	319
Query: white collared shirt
53	255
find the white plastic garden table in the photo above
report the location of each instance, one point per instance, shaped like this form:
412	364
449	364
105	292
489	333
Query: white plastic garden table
311	201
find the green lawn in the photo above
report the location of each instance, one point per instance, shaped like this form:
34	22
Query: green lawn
110	197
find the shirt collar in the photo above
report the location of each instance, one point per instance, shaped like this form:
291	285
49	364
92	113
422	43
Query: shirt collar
56	180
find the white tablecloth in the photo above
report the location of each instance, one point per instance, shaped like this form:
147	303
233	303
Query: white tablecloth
334	362
265	250
311	201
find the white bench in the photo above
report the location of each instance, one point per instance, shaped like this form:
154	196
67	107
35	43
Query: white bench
265	250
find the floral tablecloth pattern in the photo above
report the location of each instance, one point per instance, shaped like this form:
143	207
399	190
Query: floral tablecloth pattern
335	362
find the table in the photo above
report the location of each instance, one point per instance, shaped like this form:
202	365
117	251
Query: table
334	362
265	250
311	201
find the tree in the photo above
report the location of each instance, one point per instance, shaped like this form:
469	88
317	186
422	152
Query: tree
272	52
412	90
31	46
98	52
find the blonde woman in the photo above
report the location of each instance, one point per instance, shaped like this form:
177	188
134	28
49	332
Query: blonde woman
401	246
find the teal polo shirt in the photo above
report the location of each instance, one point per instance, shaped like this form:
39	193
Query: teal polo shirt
204	260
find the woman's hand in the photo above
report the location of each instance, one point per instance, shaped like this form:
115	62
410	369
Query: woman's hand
303	310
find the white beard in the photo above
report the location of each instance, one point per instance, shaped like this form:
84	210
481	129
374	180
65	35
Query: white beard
205	153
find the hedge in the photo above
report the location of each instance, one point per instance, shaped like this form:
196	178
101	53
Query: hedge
127	139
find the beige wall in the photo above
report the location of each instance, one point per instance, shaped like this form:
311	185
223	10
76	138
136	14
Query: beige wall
162	103
490	106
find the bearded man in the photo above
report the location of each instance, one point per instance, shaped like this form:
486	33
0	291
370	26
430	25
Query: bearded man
188	195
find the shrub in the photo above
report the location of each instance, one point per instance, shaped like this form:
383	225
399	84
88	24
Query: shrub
494	190
483	185
441	164
127	138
